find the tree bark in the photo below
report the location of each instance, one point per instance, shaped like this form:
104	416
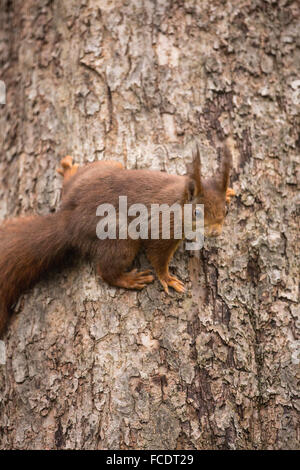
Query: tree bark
93	367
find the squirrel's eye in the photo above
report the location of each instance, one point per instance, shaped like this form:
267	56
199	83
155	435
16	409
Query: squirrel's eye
198	212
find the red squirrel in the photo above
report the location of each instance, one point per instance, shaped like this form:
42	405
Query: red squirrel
30	245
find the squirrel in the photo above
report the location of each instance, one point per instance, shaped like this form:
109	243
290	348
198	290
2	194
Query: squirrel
31	245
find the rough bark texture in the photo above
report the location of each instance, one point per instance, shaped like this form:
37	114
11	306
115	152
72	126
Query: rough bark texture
93	367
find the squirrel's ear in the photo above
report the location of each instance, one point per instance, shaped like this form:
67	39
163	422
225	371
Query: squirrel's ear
194	172
224	169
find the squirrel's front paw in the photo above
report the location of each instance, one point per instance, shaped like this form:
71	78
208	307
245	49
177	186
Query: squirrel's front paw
172	281
229	194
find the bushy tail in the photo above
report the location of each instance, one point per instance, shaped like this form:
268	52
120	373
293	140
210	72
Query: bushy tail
28	246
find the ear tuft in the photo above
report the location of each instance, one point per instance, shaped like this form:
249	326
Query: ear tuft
225	167
194	171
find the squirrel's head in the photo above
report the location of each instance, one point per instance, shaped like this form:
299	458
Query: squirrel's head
213	193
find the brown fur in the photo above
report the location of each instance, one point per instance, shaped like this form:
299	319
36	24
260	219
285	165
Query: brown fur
29	246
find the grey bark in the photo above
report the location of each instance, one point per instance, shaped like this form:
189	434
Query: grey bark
93	367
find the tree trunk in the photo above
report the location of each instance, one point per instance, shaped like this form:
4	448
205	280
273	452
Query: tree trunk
93	367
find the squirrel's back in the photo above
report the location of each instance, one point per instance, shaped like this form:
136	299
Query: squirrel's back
93	186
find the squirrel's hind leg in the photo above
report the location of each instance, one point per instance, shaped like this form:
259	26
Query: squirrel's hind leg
159	253
68	169
115	259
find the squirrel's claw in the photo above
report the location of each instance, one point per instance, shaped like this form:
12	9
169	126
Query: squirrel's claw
172	281
135	279
165	286
143	278
177	284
